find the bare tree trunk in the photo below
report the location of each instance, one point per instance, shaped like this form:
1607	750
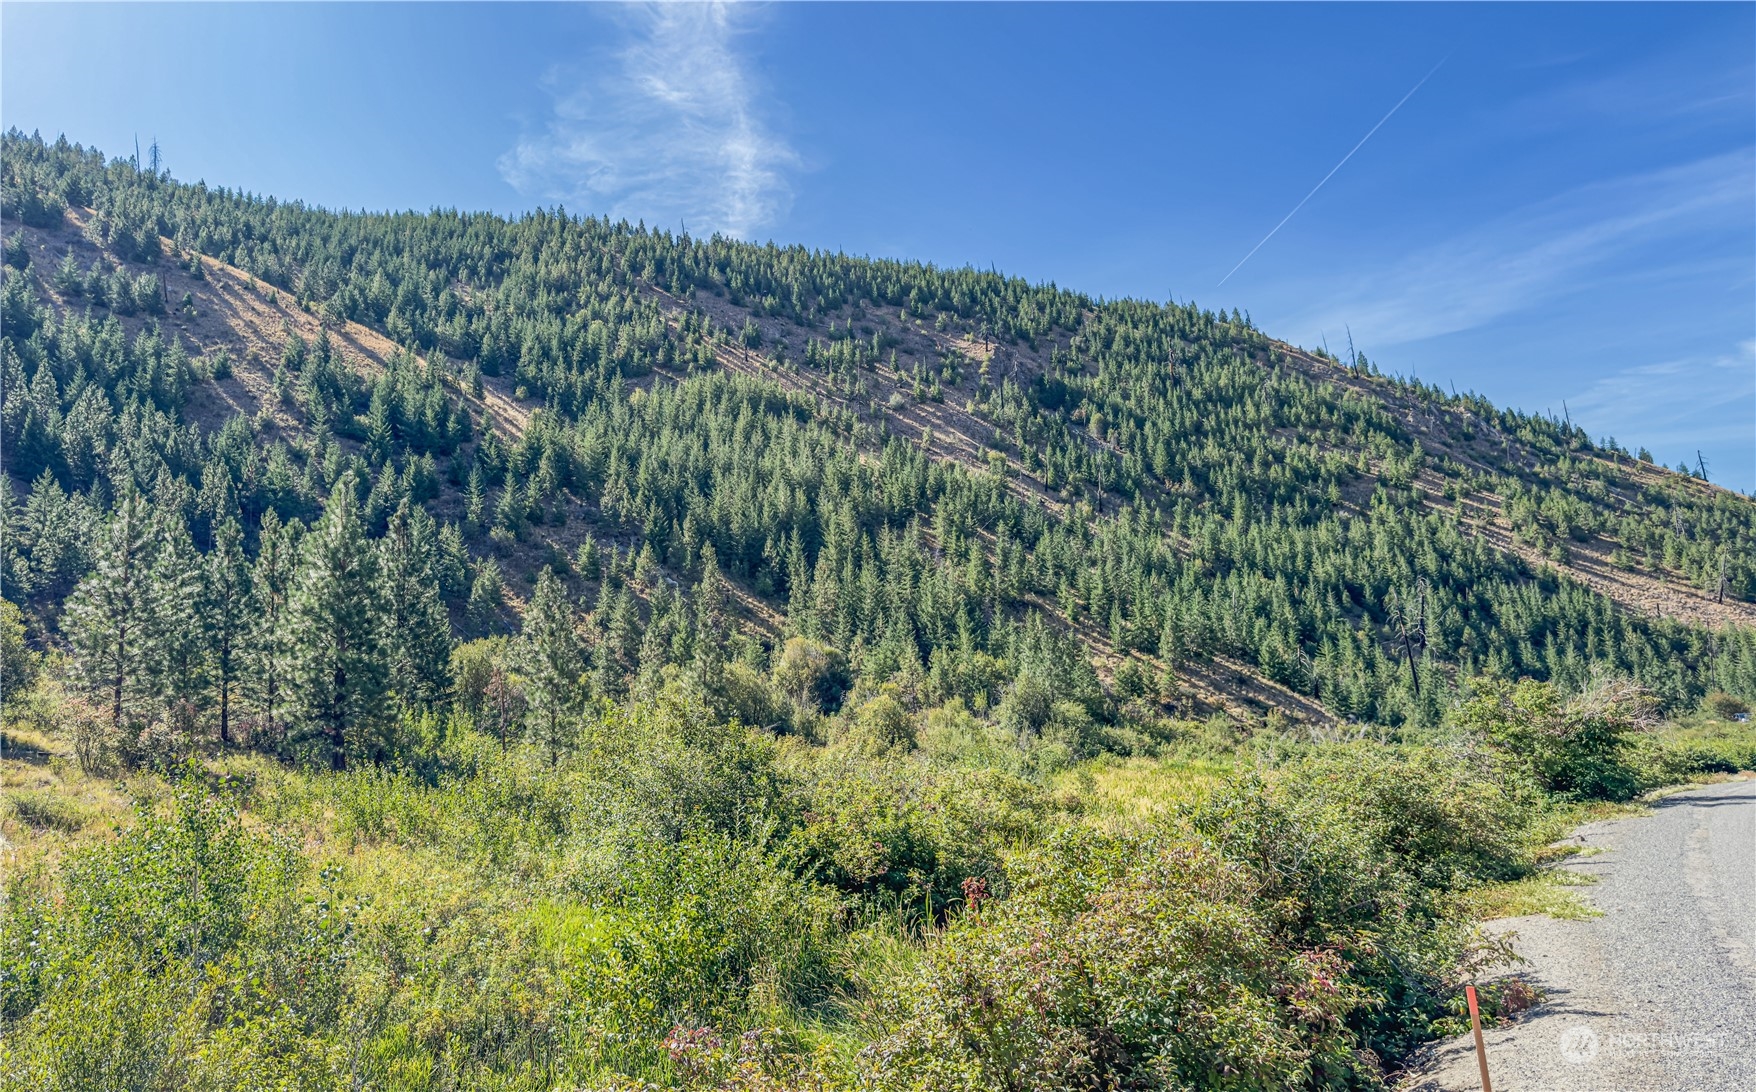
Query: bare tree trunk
116	690
338	759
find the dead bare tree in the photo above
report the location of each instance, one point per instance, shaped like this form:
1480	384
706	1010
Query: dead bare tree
1408	621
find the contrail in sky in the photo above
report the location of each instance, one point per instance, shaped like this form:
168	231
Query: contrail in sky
1332	170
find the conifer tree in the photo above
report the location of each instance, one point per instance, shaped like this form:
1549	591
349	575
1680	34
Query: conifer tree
12	564
228	602
452	562
509	510
109	614
616	653
474	496
338	654
550	653
270	647
178	657
710	626
487	594
586	560
46	529
655	644
417	631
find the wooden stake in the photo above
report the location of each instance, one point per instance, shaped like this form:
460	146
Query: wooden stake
1475	1025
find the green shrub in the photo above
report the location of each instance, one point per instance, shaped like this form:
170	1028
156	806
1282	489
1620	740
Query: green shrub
904	837
953	736
1359	850
702	931
18	664
1575	748
1680	754
748	697
114	983
104	1024
1119	965
667	767
881	724
813	675
177	885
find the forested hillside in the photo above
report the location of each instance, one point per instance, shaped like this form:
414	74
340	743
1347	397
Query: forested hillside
916	467
600	564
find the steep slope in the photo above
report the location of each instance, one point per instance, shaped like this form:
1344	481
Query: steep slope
913	461
253	321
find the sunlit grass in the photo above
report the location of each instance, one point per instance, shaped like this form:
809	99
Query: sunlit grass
1556	824
1130	791
1550	892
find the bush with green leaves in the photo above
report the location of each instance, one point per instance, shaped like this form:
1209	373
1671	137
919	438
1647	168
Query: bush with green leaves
1295	929
112	978
901	838
1121	964
1576	747
1684	753
705	930
1723	706
1361	850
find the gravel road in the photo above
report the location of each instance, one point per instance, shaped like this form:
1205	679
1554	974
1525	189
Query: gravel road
1658	994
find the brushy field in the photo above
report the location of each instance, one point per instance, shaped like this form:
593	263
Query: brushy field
692	904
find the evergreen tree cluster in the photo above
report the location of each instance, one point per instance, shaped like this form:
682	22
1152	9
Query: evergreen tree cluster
312	646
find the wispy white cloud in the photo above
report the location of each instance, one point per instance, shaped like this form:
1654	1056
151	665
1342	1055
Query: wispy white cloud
673	132
1670	406
1563	245
1669	89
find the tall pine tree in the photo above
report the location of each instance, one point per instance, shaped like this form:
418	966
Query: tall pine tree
269	652
109	615
228	617
417	630
178	658
549	651
710	627
338	648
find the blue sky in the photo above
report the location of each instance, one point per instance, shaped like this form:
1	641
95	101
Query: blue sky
1564	214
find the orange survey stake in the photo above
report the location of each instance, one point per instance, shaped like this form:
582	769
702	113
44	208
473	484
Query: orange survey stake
1475	1026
